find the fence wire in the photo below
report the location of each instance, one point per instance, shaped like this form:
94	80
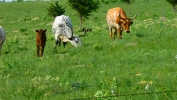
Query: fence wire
133	94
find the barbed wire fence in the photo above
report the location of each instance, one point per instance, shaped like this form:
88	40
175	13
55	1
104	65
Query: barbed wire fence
122	95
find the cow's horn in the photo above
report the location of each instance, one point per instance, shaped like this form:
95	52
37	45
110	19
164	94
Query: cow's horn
85	31
133	17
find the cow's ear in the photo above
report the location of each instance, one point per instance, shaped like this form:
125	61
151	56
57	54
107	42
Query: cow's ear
37	31
131	23
45	30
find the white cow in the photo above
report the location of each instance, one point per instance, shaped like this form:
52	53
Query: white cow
63	30
2	37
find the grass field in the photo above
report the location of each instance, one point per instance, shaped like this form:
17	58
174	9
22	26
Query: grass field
101	67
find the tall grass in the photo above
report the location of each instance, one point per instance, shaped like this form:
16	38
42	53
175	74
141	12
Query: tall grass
101	67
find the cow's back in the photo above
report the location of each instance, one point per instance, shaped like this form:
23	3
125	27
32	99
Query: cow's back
62	26
112	15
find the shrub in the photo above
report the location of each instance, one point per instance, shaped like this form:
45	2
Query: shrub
23	29
97	47
55	9
84	8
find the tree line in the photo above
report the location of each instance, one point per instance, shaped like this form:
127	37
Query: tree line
84	8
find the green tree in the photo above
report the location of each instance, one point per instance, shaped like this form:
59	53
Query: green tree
84	8
55	9
173	3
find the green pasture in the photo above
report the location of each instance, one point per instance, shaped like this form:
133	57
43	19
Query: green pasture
101	67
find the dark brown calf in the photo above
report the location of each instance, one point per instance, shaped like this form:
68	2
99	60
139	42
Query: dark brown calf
40	41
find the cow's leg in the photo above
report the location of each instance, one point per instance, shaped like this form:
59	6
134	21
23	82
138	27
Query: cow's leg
120	33
56	42
37	50
0	50
42	50
59	41
115	33
110	32
64	43
0	47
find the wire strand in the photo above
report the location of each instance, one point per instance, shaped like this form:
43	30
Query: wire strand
134	94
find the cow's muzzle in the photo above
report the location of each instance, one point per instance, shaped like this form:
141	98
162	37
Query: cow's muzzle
127	31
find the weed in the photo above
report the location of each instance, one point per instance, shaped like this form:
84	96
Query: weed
97	47
23	29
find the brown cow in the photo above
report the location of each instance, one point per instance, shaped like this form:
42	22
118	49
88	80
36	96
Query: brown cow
117	19
40	41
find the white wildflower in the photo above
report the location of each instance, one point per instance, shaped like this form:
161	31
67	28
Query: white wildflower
147	86
112	91
57	78
176	56
48	77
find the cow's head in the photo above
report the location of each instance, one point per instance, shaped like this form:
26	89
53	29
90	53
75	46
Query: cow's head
41	33
126	23
76	41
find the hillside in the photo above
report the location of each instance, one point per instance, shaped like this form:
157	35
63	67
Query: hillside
101	67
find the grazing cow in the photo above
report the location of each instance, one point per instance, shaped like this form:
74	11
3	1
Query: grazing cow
40	41
2	37
63	31
117	19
